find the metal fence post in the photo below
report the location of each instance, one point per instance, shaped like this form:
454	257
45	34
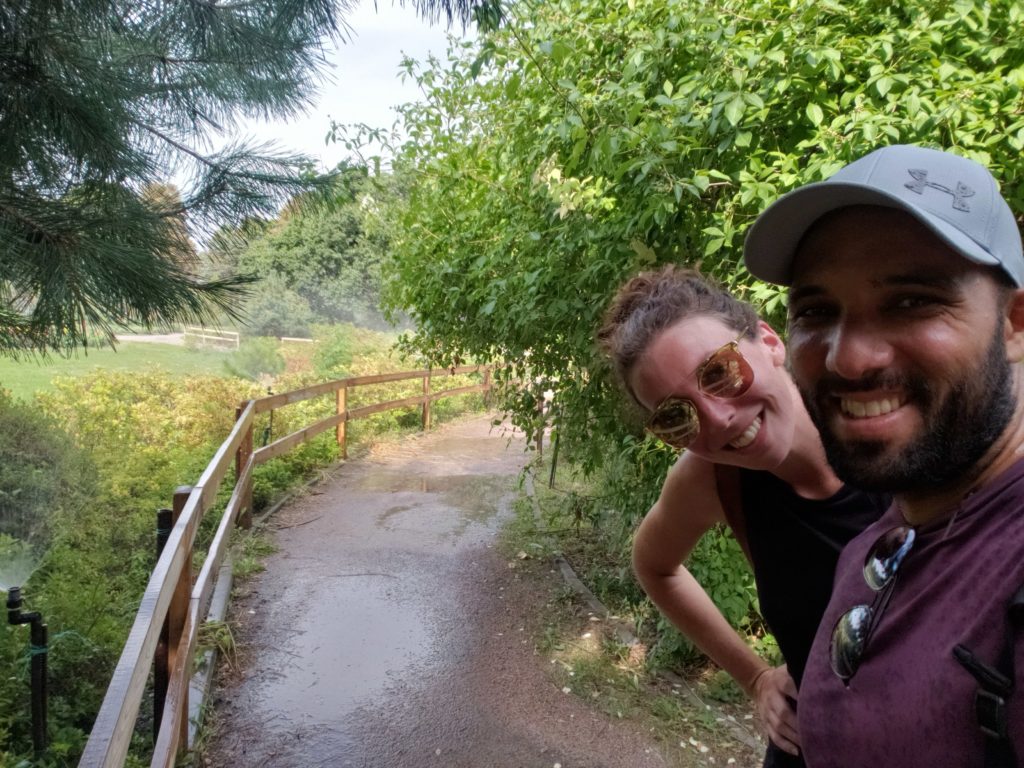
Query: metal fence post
161	670
177	613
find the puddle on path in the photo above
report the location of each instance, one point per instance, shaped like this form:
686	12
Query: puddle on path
358	636
444	508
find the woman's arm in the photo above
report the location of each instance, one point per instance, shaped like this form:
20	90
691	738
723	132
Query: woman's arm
687	508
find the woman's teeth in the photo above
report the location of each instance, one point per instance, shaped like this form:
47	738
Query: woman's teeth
862	410
748	435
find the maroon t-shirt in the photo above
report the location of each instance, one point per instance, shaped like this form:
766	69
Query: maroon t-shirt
910	703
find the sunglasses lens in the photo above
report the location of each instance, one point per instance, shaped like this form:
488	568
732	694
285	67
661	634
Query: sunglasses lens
886	555
726	373
675	423
849	636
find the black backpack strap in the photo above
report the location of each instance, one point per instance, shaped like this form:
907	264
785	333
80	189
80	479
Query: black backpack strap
995	686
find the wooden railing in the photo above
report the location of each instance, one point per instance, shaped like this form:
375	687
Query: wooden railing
174	605
206	337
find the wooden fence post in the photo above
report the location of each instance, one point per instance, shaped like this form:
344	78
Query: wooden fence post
177	613
241	459
426	401
487	386
340	430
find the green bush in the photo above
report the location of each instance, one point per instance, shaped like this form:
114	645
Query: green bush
339	346
257	359
45	482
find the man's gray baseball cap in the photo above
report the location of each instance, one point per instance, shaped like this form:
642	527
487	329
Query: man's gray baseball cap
954	197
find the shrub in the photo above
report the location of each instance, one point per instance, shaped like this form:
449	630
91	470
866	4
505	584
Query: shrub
276	310
45	481
258	359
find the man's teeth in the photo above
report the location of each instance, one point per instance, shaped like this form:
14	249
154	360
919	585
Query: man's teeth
863	410
748	434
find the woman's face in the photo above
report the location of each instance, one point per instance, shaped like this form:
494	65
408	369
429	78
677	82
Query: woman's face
753	430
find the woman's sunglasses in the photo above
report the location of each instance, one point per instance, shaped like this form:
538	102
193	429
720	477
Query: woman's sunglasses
853	630
726	373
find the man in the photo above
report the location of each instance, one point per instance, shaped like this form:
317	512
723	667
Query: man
906	325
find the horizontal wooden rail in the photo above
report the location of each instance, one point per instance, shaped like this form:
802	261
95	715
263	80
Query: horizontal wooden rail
183	611
272	402
230	338
283	445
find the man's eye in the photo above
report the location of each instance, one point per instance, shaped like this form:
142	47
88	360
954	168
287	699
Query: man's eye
915	302
810	313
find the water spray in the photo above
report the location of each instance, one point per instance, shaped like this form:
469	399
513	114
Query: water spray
38	641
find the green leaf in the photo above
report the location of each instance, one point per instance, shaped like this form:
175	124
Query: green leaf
734	109
713	246
814	114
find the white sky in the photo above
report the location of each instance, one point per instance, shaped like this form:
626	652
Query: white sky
366	84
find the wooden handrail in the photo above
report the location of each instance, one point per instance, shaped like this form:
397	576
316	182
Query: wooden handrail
163	599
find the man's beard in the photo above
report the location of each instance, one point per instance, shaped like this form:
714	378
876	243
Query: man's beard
957	431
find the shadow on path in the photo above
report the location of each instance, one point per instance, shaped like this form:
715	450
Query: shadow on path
387	632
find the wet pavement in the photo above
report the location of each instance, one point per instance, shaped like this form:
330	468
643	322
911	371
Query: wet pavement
387	632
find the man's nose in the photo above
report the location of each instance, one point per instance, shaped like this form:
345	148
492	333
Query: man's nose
857	350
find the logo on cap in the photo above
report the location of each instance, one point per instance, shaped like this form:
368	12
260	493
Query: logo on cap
959	193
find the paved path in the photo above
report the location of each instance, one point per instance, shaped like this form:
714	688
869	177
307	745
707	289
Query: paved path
387	632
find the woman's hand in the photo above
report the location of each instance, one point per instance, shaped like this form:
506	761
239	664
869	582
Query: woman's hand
774	693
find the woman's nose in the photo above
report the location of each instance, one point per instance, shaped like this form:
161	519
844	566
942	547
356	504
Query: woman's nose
716	415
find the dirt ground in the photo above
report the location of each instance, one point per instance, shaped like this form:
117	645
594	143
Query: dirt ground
388	632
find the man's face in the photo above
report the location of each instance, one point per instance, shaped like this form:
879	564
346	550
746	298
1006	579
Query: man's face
896	344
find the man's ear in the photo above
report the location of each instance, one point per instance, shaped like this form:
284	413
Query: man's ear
771	340
1014	326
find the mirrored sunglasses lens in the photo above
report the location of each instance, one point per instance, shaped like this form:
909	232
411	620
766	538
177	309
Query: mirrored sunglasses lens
675	423
849	636
726	374
885	557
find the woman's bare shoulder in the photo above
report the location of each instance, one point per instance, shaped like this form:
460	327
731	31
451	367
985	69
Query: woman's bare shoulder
691	489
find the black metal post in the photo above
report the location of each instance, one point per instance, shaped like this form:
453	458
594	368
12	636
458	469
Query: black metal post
161	674
38	647
268	433
38	636
554	459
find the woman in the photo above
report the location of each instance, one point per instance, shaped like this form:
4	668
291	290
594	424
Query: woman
712	377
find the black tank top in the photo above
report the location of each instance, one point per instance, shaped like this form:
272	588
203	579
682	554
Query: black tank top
794	545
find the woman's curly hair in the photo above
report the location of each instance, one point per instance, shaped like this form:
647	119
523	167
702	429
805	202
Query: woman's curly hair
652	301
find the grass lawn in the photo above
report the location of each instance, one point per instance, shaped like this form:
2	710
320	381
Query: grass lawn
25	377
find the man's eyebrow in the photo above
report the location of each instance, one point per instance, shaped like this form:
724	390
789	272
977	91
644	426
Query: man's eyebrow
943	282
805	292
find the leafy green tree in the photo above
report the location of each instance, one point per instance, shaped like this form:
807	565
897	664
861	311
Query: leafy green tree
321	262
274	309
586	140
100	100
